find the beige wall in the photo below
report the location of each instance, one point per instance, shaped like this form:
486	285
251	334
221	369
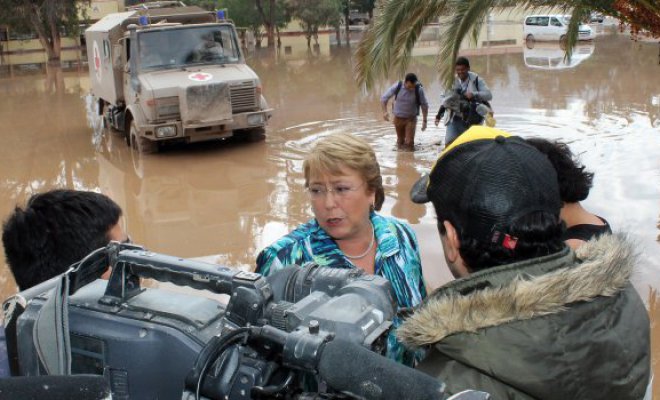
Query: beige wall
33	44
100	8
31	51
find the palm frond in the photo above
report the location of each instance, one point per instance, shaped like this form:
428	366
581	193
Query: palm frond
388	43
578	15
412	29
466	15
374	53
651	6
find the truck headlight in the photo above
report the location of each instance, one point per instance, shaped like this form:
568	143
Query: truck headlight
166	131
255	119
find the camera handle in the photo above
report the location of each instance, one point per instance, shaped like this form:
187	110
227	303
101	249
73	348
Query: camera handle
130	263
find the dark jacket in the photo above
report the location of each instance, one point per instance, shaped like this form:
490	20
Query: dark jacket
564	326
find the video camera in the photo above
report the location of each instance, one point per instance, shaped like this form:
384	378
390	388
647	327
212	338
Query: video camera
275	337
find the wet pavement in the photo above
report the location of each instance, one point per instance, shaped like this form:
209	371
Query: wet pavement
225	201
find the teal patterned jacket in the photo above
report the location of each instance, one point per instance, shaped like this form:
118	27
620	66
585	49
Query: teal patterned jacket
397	259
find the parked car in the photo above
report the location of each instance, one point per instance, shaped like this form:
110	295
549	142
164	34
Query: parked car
597	18
356	17
552	27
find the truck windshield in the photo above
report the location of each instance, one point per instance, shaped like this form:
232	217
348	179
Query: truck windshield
179	47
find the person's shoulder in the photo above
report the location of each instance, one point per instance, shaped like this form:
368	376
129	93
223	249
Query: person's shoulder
280	251
294	237
394	225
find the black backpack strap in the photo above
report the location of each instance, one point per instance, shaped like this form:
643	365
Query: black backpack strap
398	88
419	103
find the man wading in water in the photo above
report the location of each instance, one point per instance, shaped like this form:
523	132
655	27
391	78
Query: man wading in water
409	97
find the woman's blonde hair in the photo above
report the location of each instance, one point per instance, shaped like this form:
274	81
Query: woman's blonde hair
334	152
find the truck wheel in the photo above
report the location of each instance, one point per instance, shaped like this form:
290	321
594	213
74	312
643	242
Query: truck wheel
254	135
127	134
141	144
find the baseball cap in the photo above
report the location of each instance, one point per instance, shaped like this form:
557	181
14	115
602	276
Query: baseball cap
485	180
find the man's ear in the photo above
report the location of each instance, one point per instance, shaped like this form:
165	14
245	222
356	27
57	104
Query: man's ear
453	243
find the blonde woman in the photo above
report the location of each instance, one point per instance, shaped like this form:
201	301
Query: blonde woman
342	177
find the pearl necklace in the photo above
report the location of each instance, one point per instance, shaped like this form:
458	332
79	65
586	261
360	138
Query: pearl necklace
371	246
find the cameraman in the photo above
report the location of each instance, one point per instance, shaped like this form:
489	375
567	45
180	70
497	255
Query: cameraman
470	86
527	318
54	230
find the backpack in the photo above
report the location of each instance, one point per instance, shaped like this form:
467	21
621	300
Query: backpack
417	86
486	102
470	115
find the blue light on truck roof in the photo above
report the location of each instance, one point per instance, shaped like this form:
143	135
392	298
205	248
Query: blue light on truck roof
221	14
143	20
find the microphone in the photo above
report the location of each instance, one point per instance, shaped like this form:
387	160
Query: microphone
55	387
355	370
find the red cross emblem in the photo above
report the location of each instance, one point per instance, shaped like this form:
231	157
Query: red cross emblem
200	77
97	61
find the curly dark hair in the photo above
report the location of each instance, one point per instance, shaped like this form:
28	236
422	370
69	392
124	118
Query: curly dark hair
574	181
538	234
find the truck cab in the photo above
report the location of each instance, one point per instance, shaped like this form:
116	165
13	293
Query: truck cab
173	74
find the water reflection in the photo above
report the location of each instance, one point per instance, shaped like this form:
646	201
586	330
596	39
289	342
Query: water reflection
550	55
209	199
405	173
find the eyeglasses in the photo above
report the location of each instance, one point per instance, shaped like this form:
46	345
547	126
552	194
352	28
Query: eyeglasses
340	190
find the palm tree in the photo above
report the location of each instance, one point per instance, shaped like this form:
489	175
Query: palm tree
389	41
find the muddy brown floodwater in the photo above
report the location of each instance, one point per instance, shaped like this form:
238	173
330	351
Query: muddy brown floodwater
225	201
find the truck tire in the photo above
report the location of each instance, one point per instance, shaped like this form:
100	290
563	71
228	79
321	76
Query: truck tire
254	135
141	144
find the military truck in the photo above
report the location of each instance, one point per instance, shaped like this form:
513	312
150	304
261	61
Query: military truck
173	74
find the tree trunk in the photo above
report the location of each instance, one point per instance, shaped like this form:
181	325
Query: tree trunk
257	37
50	40
56	41
269	20
271	17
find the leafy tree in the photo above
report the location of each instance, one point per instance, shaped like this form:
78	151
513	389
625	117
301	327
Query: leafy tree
245	13
364	6
313	14
275	15
47	18
389	41
209	5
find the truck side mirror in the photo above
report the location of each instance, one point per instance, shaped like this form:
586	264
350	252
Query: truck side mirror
116	56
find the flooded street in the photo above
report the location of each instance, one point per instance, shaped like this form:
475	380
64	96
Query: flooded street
225	201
